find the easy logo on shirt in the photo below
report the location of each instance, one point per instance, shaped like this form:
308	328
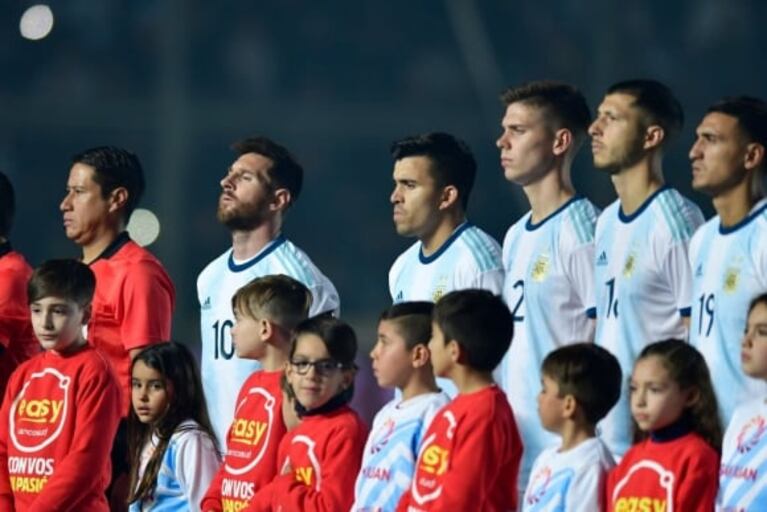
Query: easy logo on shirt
39	410
250	431
657	489
433	461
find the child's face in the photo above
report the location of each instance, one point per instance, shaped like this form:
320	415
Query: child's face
550	404
247	335
656	399
392	361
320	381
58	323
441	360
753	354
149	393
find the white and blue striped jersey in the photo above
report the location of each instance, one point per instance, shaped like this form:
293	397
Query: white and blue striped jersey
222	372
729	266
469	258
388	462
188	466
549	287
570	481
643	287
743	473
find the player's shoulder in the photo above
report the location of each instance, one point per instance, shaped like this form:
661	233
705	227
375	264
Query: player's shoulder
608	216
14	262
579	221
409	255
676	213
217	265
132	259
480	248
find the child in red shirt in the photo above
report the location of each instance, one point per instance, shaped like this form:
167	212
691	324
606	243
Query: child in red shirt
320	458
469	457
674	463
266	311
61	407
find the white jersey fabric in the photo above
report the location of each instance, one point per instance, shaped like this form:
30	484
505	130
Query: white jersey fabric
549	287
729	266
222	372
188	465
469	258
388	462
571	481
643	287
743	474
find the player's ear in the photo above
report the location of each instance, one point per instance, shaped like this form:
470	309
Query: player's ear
456	353
280	200
117	199
449	197
754	156
563	140
569	406
654	136
420	356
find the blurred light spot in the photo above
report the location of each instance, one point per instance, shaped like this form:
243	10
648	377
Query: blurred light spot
143	227
36	22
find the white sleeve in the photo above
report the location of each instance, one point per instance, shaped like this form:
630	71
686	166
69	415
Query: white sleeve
325	299
580	273
587	488
676	270
492	280
196	464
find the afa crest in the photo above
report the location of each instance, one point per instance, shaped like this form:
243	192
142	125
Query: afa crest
540	268
630	265
440	289
731	279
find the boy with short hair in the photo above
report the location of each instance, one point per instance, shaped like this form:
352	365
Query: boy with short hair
580	384
266	310
61	407
469	458
401	361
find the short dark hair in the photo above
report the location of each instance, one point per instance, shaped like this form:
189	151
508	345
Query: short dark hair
479	322
68	279
589	373
561	102
452	162
113	168
282	299
337	335
750	112
656	101
285	171
413	321
7	205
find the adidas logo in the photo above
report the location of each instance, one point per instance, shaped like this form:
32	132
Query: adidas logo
602	260
699	270
399	297
206	304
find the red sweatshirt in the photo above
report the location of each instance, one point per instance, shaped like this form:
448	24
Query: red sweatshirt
323	455
469	457
252	444
57	423
680	475
16	336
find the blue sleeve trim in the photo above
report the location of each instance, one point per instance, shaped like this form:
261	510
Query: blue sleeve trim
591	313
686	312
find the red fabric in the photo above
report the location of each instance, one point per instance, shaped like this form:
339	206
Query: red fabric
252	444
132	307
469	457
323	454
57	423
653	475
16	335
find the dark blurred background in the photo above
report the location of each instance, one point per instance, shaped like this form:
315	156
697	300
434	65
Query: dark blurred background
178	81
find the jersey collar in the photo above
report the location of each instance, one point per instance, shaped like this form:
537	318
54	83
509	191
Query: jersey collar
531	226
445	245
122	239
628	218
274	244
755	212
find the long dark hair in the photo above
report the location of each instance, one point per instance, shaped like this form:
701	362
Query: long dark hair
688	369
179	369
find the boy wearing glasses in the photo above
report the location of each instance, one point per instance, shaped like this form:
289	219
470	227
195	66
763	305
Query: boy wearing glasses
401	361
266	311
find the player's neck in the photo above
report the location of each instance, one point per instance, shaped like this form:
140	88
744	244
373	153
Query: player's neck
733	205
467	380
634	185
432	241
246	244
574	433
548	194
100	241
420	383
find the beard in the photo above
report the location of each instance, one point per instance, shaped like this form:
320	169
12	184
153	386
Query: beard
625	157
239	216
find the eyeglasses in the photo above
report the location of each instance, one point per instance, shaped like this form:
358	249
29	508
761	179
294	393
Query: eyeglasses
323	367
